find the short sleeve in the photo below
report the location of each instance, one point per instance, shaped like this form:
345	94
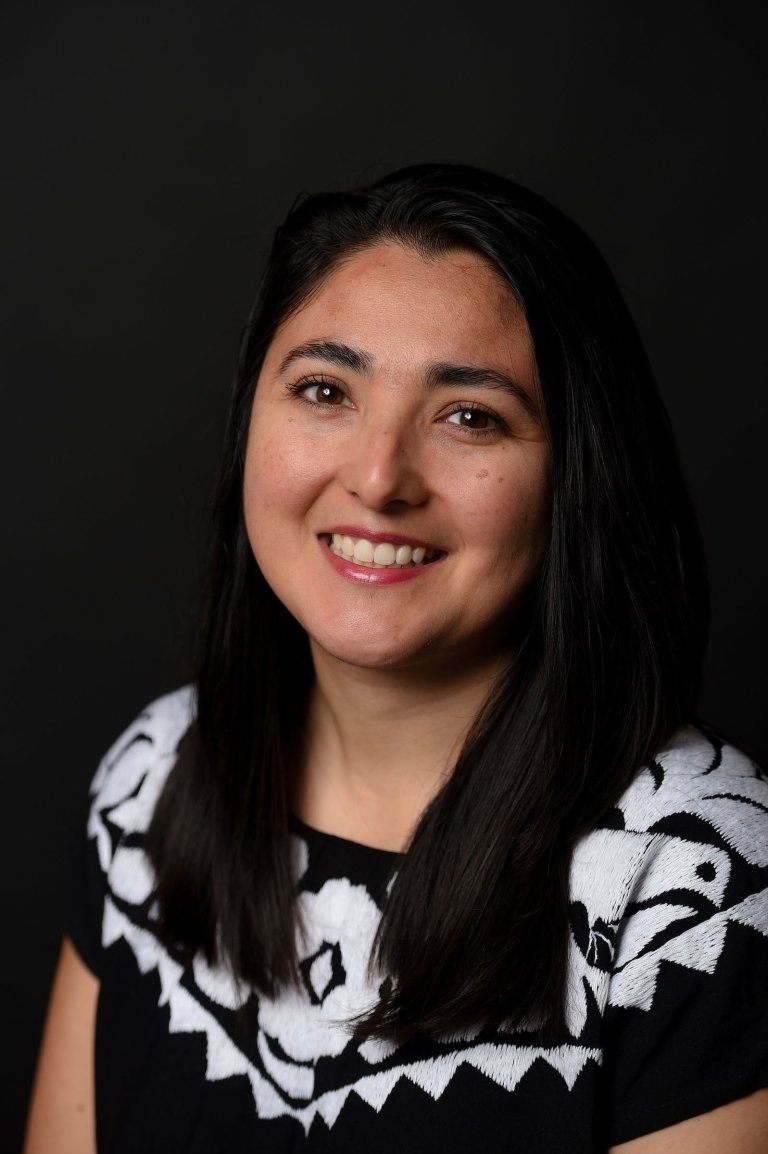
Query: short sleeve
686	1023
123	794
85	908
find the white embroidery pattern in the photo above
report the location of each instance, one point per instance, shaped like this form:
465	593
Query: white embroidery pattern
614	961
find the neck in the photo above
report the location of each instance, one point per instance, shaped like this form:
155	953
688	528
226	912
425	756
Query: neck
379	745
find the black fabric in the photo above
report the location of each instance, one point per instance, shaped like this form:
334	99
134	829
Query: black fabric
85	905
699	1049
667	1015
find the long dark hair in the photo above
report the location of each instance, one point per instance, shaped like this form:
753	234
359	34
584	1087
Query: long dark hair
474	929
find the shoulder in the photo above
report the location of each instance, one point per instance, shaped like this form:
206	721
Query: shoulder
132	773
687	950
679	860
698	813
700	789
697	790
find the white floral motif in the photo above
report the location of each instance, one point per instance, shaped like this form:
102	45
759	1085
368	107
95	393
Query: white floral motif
681	877
312	1022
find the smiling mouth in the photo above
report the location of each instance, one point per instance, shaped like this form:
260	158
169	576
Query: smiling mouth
381	554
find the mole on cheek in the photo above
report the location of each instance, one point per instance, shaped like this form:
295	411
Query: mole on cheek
482	474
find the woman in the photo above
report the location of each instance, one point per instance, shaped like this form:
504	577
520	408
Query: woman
432	856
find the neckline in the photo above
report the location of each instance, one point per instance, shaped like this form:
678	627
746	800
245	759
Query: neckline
321	838
330	857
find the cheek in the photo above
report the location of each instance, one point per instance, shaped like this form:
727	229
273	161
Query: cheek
264	492
280	482
257	491
510	511
269	468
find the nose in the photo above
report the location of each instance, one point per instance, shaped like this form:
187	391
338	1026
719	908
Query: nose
382	466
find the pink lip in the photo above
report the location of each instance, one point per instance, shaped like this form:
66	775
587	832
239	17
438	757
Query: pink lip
365	574
377	538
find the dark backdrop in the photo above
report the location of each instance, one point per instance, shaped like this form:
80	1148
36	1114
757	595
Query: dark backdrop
149	150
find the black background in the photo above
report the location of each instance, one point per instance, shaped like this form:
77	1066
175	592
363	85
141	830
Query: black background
148	152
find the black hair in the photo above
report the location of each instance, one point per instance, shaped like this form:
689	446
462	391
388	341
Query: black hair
475	925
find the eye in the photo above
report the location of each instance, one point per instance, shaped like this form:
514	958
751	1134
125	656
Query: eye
324	394
475	419
320	392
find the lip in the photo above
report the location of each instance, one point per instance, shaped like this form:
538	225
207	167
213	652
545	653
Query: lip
365	574
379	538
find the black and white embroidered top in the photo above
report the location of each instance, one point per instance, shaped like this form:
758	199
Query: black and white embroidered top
667	1002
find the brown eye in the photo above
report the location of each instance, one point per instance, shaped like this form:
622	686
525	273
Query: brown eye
474	419
324	393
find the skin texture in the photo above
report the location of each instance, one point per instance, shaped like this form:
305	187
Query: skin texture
61	1115
388	455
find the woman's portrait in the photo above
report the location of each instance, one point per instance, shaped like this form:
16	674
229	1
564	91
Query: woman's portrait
434	842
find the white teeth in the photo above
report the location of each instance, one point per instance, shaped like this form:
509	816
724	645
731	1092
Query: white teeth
383	555
363	551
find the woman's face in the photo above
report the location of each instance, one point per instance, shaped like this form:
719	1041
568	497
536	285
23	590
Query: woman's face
397	474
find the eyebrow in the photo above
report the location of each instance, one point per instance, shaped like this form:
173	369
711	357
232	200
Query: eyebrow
337	354
441	373
462	376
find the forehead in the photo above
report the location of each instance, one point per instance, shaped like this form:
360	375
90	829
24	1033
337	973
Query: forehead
390	297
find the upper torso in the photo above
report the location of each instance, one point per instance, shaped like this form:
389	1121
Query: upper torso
668	957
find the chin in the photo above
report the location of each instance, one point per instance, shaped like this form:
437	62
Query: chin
371	652
368	656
